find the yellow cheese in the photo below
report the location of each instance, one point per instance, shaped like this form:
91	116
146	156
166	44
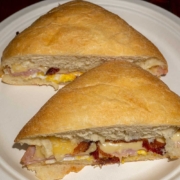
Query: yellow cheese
142	152
86	157
69	77
18	68
24	66
52	78
62	146
176	137
61	78
40	73
109	147
39	153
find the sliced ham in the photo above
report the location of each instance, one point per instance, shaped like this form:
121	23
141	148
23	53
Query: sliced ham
161	72
27	73
29	157
158	71
126	153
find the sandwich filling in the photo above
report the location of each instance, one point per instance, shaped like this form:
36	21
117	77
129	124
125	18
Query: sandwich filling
57	150
52	74
27	71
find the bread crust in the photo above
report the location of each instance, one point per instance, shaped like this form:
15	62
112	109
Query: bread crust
115	94
53	171
80	28
58	171
19	80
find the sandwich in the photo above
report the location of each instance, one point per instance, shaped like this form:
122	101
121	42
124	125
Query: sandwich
72	39
114	113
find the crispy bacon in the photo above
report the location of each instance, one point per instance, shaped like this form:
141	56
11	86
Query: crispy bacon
121	141
82	147
103	158
155	146
52	71
95	154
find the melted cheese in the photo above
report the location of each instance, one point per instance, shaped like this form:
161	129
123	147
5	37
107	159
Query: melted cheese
111	148
18	68
44	144
38	152
86	157
176	136
24	66
57	78
142	152
92	148
61	147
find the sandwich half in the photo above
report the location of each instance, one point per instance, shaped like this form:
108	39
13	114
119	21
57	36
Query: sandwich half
114	113
71	39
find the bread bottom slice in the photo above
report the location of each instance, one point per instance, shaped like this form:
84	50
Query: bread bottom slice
53	171
58	171
22	81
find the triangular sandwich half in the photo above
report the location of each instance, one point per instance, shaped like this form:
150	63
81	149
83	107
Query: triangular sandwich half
114	113
71	39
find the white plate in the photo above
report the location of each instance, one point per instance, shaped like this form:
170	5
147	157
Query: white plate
19	104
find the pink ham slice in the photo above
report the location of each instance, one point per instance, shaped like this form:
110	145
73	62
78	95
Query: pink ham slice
25	73
29	157
159	71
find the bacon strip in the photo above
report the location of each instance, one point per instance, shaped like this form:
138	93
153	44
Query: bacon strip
52	71
95	154
155	146
103	158
82	147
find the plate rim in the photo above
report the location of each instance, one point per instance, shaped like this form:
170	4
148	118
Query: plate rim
25	10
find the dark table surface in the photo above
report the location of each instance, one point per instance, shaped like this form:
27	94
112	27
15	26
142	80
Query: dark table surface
8	7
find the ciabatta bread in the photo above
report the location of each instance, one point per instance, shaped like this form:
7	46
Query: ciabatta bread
75	37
